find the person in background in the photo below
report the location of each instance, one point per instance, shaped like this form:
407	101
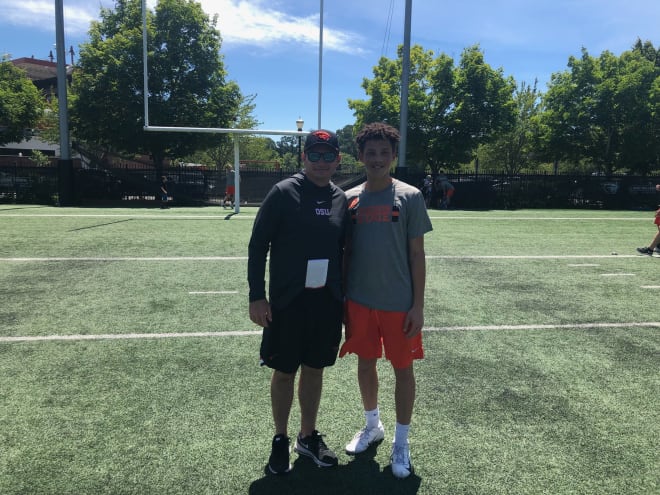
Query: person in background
386	275
427	190
163	192
230	188
302	222
445	190
655	243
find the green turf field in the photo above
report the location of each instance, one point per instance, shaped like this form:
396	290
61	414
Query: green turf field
128	363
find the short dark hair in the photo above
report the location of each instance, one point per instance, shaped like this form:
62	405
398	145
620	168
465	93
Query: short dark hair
380	131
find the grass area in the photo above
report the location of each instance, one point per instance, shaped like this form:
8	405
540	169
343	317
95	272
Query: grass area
562	400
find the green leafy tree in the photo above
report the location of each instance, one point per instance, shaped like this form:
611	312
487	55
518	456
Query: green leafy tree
605	111
289	144
21	104
347	145
187	80
484	104
452	109
515	150
638	95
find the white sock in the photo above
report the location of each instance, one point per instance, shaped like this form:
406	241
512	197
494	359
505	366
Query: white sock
373	418
401	434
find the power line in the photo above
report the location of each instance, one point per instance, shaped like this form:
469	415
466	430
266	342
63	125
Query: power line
388	30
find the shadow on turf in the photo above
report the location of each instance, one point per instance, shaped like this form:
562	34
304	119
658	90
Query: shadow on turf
361	475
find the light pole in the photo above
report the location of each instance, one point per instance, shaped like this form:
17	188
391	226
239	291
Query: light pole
299	124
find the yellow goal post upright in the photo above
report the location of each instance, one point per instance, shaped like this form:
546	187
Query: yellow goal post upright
236	133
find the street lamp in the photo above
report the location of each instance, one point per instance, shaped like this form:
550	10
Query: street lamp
299	124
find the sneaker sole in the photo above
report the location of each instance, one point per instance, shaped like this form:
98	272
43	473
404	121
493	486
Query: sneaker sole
273	471
412	471
308	453
371	444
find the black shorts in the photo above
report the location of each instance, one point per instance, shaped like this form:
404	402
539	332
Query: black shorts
307	331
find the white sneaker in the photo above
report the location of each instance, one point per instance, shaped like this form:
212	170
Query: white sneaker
364	438
400	459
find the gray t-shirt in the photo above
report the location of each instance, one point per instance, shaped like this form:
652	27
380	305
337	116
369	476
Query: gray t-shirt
383	222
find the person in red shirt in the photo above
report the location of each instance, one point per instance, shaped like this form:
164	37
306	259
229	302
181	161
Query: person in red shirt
655	243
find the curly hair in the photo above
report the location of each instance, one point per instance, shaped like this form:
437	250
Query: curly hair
380	131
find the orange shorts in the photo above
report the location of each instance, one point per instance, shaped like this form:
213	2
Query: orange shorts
369	330
657	218
231	190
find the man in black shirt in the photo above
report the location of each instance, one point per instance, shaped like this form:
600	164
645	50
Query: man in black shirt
302	222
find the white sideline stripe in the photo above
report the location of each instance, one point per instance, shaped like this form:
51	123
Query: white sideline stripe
204	292
617	274
129	258
127	336
242	216
127	215
508	219
649	286
242	258
546	326
583	264
534	257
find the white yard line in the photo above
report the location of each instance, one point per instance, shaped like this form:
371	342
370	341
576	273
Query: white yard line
242	258
169	335
242	216
128	258
508	219
536	257
617	274
209	292
128	215
568	326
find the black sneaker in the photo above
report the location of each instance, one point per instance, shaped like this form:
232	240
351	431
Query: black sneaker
313	446
278	463
645	250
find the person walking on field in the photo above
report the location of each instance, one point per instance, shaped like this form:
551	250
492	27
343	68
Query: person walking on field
230	188
163	192
386	275
302	222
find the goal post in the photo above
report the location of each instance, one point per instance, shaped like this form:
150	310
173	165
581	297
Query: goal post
236	133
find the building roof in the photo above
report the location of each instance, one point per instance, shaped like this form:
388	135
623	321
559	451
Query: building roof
39	70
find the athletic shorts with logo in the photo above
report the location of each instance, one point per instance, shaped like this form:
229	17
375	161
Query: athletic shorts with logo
307	331
368	331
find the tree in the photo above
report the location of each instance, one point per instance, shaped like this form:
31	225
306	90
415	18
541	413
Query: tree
347	145
605	110
187	80
484	104
452	110
21	104
514	150
288	144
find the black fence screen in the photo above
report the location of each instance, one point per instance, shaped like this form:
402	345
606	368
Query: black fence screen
200	186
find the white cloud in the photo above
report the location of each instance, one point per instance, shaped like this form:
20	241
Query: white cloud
40	14
256	23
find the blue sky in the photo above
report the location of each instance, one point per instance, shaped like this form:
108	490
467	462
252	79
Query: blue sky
271	47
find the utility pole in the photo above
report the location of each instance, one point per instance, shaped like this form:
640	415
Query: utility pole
402	167
65	164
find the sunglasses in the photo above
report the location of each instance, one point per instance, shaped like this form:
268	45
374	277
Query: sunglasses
328	156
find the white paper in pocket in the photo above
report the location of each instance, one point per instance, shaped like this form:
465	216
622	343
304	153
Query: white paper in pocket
317	274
